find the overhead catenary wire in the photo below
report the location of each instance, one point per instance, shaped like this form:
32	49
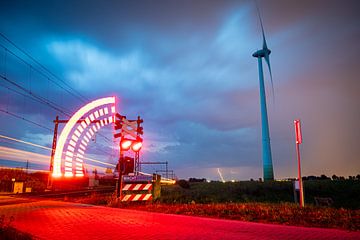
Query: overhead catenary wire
77	94
25	119
34	96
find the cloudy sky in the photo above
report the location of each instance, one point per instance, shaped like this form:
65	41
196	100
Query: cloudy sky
186	68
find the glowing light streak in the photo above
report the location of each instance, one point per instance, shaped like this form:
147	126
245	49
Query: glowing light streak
75	138
81	151
83	124
94	129
96	114
28	169
70	125
72	143
97	161
68	159
106	110
98	125
70	148
82	146
110	119
102	122
68	164
77	133
222	179
80	128
13	154
101	111
91	132
70	154
87	120
25	142
88	137
92	117
167	181
112	109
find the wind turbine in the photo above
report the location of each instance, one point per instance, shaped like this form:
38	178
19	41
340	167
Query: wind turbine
266	148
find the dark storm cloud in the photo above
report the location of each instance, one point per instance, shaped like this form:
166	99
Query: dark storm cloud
186	67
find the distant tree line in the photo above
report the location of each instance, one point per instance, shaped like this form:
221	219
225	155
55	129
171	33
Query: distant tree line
311	177
333	177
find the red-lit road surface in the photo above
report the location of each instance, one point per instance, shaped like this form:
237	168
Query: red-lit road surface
63	220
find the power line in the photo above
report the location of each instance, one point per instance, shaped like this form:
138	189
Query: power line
44	68
41	99
35	96
27	120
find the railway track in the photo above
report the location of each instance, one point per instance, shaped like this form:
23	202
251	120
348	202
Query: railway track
70	193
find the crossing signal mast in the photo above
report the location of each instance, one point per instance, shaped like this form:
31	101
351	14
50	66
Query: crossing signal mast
130	139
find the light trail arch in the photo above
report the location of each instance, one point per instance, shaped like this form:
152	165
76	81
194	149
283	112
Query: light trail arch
73	140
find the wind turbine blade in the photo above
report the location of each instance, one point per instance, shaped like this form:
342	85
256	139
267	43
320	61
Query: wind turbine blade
262	27
267	59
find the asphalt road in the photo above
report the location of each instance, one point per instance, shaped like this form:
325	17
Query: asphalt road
47	219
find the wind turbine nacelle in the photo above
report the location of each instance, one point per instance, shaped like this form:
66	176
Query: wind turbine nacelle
261	53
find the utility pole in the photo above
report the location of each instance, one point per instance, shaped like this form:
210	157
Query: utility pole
119	185
53	149
298	142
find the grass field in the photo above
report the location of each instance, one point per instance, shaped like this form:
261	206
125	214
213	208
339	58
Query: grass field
344	193
266	202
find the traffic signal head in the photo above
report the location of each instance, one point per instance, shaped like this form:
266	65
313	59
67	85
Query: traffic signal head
125	144
136	146
127	165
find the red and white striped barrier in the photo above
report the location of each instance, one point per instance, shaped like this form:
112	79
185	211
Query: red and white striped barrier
133	192
137	187
137	197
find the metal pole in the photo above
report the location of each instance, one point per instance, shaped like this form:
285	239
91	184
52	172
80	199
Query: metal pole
119	186
301	191
167	170
53	149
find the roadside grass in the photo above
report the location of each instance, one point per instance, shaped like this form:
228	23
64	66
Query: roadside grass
275	213
284	213
265	202
8	232
345	194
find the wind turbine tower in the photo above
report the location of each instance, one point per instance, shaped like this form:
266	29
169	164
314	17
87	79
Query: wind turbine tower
266	148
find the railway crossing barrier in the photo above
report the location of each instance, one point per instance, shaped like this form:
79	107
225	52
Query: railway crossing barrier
141	188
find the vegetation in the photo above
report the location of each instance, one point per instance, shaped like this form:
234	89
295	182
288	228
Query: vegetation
36	181
284	213
8	232
344	193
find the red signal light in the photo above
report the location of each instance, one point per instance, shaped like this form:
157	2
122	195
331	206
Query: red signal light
125	144
136	146
298	131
